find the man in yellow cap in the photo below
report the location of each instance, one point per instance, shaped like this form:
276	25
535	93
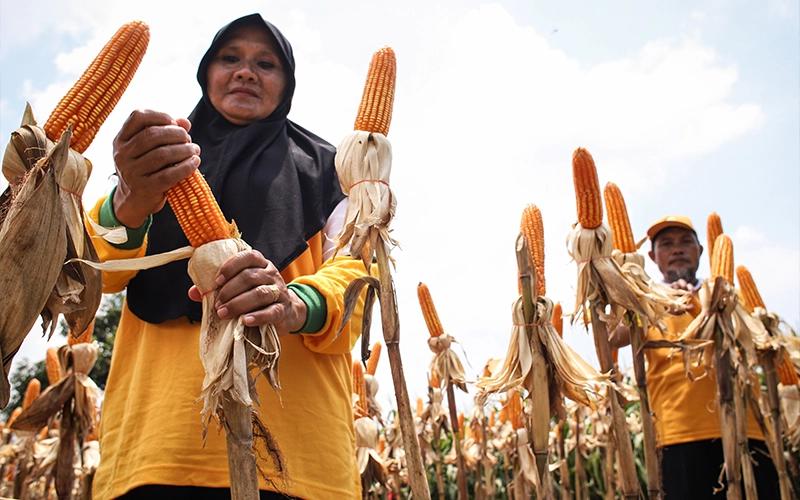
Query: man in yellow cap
686	418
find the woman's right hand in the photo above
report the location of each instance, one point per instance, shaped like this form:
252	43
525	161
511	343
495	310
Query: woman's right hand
152	153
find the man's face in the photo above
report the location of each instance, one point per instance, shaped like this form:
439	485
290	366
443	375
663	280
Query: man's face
676	252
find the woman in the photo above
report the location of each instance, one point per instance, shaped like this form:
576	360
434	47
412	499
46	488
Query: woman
278	182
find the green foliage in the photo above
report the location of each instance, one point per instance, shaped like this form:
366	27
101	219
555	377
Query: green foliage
105	328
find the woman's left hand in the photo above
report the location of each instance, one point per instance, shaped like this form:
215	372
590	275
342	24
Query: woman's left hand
249	285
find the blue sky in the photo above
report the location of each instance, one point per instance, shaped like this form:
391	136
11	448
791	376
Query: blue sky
690	107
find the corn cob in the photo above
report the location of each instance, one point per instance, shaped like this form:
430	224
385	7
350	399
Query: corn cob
197	211
89	102
43	433
461	421
31	393
558	319
360	386
532	229
13	418
514	404
713	230
83	338
429	311
374	357
53	366
375	109
747	285
787	373
420	407
587	189
433	381
491	418
722	258
621	232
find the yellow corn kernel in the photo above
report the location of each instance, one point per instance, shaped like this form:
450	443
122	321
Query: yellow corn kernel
713	230
587	189
429	310
747	285
374	357
84	338
89	102
532	229
375	110
52	366
722	258
558	319
618	219
360	386
197	211
31	393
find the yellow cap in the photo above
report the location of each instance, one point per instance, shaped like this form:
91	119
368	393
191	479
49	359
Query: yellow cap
670	221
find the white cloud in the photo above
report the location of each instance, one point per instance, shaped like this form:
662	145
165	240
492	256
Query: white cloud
487	115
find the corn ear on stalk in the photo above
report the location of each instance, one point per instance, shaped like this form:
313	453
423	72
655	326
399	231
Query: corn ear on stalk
89	102
587	189
13	418
752	299
429	311
713	230
360	389
31	393
375	110
52	366
618	219
532	229
514	410
374	358
558	319
722	258
445	366
84	337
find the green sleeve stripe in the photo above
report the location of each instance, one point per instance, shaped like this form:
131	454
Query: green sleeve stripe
109	219
315	305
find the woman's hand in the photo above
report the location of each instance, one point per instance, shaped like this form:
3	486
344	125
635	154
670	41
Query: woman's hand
152	153
249	285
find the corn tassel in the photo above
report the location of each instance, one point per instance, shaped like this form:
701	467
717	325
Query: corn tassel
621	232
429	311
587	189
374	358
713	230
722	258
532	229
360	388
31	393
89	102
198	212
375	110
747	285
53	366
84	337
558	319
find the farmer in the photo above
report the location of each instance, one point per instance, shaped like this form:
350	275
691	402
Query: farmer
686	417
278	182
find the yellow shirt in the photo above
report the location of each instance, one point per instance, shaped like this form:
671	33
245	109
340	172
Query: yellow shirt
684	410
150	426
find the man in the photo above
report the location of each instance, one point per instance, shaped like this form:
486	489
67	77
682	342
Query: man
686	414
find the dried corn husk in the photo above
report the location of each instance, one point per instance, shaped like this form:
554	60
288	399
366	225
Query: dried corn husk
373	407
618	279
446	366
370	463
364	164
576	379
33	245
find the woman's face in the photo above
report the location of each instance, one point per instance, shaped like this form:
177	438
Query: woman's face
246	77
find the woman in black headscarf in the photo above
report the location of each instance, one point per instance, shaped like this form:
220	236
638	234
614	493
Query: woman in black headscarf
277	181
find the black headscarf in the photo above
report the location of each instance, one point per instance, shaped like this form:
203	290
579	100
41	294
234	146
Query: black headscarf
275	179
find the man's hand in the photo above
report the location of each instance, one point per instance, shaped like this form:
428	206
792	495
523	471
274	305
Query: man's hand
249	285
682	284
152	153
